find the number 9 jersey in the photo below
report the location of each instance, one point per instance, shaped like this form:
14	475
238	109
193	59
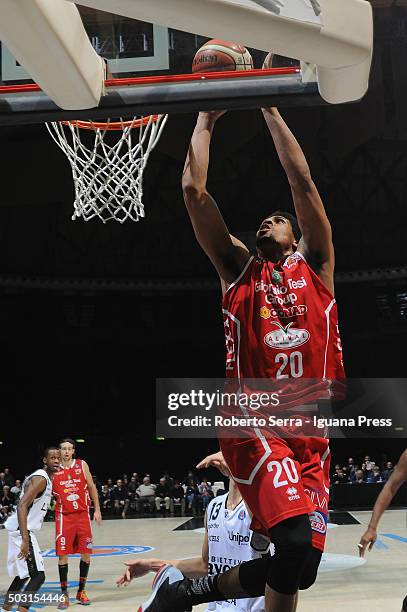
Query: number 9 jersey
70	489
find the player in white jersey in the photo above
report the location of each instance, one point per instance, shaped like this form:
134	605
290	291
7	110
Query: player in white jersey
228	542
24	560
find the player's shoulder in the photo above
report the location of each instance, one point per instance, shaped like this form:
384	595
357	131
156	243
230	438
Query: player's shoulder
40	473
294	260
37	478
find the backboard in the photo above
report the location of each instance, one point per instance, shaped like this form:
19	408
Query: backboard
132	48
150	62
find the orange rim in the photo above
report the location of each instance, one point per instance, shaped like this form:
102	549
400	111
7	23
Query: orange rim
112	125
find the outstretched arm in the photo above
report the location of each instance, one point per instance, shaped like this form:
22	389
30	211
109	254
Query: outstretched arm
194	567
316	243
383	502
227	254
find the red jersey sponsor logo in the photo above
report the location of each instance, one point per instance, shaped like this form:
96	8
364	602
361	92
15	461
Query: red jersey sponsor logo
318	522
292	494
286	337
291	261
283	313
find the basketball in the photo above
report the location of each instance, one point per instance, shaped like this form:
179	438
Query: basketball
220	55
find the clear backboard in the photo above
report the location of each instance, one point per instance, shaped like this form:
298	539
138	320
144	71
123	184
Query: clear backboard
160	59
132	48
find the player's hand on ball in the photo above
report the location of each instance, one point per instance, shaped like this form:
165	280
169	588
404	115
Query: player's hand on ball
367	540
216	460
97	517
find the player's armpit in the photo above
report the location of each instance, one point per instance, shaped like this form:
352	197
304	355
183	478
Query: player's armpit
228	254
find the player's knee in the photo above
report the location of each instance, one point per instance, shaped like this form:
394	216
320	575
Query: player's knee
292	536
310	572
253	575
292	539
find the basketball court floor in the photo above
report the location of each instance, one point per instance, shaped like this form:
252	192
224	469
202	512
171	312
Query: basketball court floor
344	583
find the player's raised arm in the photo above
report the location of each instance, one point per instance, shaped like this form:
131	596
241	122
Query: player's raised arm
34	488
383	502
97	515
227	254
316	243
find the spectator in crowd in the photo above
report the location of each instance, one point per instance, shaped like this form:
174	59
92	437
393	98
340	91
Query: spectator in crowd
2	481
16	490
351	467
388	471
132	491
205	492
3	516
190	476
352	475
136	478
6	500
162	494
110	484
375	475
339	477
191	495
119	497
97	484
359	477
146	494
177	496
105	498
168	480
8	477
337	467
368	466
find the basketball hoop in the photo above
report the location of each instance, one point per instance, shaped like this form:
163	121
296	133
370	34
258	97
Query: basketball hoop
108	176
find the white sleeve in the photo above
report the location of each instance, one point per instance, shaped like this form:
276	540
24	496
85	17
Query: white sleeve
258	605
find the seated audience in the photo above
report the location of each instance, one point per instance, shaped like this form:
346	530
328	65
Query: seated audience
162	494
177	497
145	494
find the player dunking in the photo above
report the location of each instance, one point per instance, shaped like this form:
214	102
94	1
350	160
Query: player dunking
280	323
24	557
397	478
73	488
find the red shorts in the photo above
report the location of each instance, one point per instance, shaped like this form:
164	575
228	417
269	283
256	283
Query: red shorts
73	533
280	478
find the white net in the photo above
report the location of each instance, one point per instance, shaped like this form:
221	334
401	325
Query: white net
108	176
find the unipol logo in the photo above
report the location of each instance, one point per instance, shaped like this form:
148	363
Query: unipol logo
286	337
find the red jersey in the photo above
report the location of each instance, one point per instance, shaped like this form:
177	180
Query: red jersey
71	489
281	323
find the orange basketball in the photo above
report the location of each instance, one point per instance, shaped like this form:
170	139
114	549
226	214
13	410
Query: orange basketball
219	55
